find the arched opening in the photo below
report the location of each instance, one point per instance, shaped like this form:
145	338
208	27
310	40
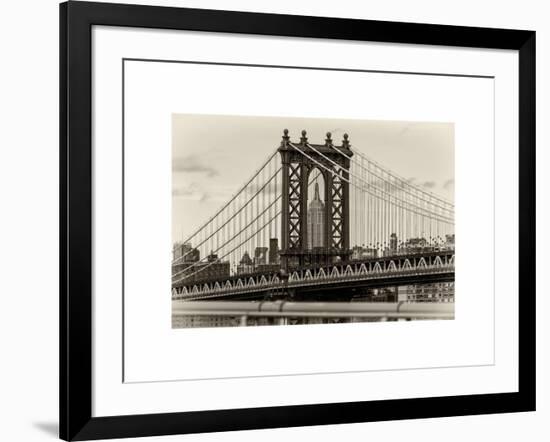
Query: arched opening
316	210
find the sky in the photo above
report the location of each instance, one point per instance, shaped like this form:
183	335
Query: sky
214	155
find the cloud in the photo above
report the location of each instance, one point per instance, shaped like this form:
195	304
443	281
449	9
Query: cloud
403	131
192	191
449	184
429	184
193	164
382	184
269	189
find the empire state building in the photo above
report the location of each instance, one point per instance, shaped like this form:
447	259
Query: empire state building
316	221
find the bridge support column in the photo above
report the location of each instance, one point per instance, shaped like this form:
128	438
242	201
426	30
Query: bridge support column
298	161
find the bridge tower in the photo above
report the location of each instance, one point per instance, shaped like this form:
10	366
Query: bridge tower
299	160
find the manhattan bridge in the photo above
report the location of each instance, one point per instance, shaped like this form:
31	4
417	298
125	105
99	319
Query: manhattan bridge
317	223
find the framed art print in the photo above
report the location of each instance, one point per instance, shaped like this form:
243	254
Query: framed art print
272	220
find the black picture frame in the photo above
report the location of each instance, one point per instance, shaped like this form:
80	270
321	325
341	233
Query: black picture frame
75	414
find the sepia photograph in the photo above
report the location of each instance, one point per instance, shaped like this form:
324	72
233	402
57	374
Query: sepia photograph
287	221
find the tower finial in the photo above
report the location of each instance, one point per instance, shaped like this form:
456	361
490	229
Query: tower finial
328	140
286	138
345	141
303	140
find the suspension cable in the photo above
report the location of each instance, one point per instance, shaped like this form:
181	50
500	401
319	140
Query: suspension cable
435	216
232	216
231	251
233	197
385	180
229	241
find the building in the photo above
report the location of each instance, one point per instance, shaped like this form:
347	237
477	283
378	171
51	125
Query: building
387	294
183	255
266	269
359	252
450	242
434	292
200	321
274	251
316	220
246	265
185	252
192	271
417	245
260	256
393	244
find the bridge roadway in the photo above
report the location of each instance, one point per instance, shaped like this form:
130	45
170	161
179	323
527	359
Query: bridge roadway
338	282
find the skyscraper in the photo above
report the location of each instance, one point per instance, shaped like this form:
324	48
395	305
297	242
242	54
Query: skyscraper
260	255
273	251
316	221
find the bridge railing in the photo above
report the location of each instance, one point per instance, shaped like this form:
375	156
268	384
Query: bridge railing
285	309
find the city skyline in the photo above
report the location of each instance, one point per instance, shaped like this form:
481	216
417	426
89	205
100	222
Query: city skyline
250	261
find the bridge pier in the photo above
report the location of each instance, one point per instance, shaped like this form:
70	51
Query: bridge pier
298	162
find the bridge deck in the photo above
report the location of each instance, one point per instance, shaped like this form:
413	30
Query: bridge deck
382	272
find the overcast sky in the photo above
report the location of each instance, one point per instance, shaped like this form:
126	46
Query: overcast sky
213	155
